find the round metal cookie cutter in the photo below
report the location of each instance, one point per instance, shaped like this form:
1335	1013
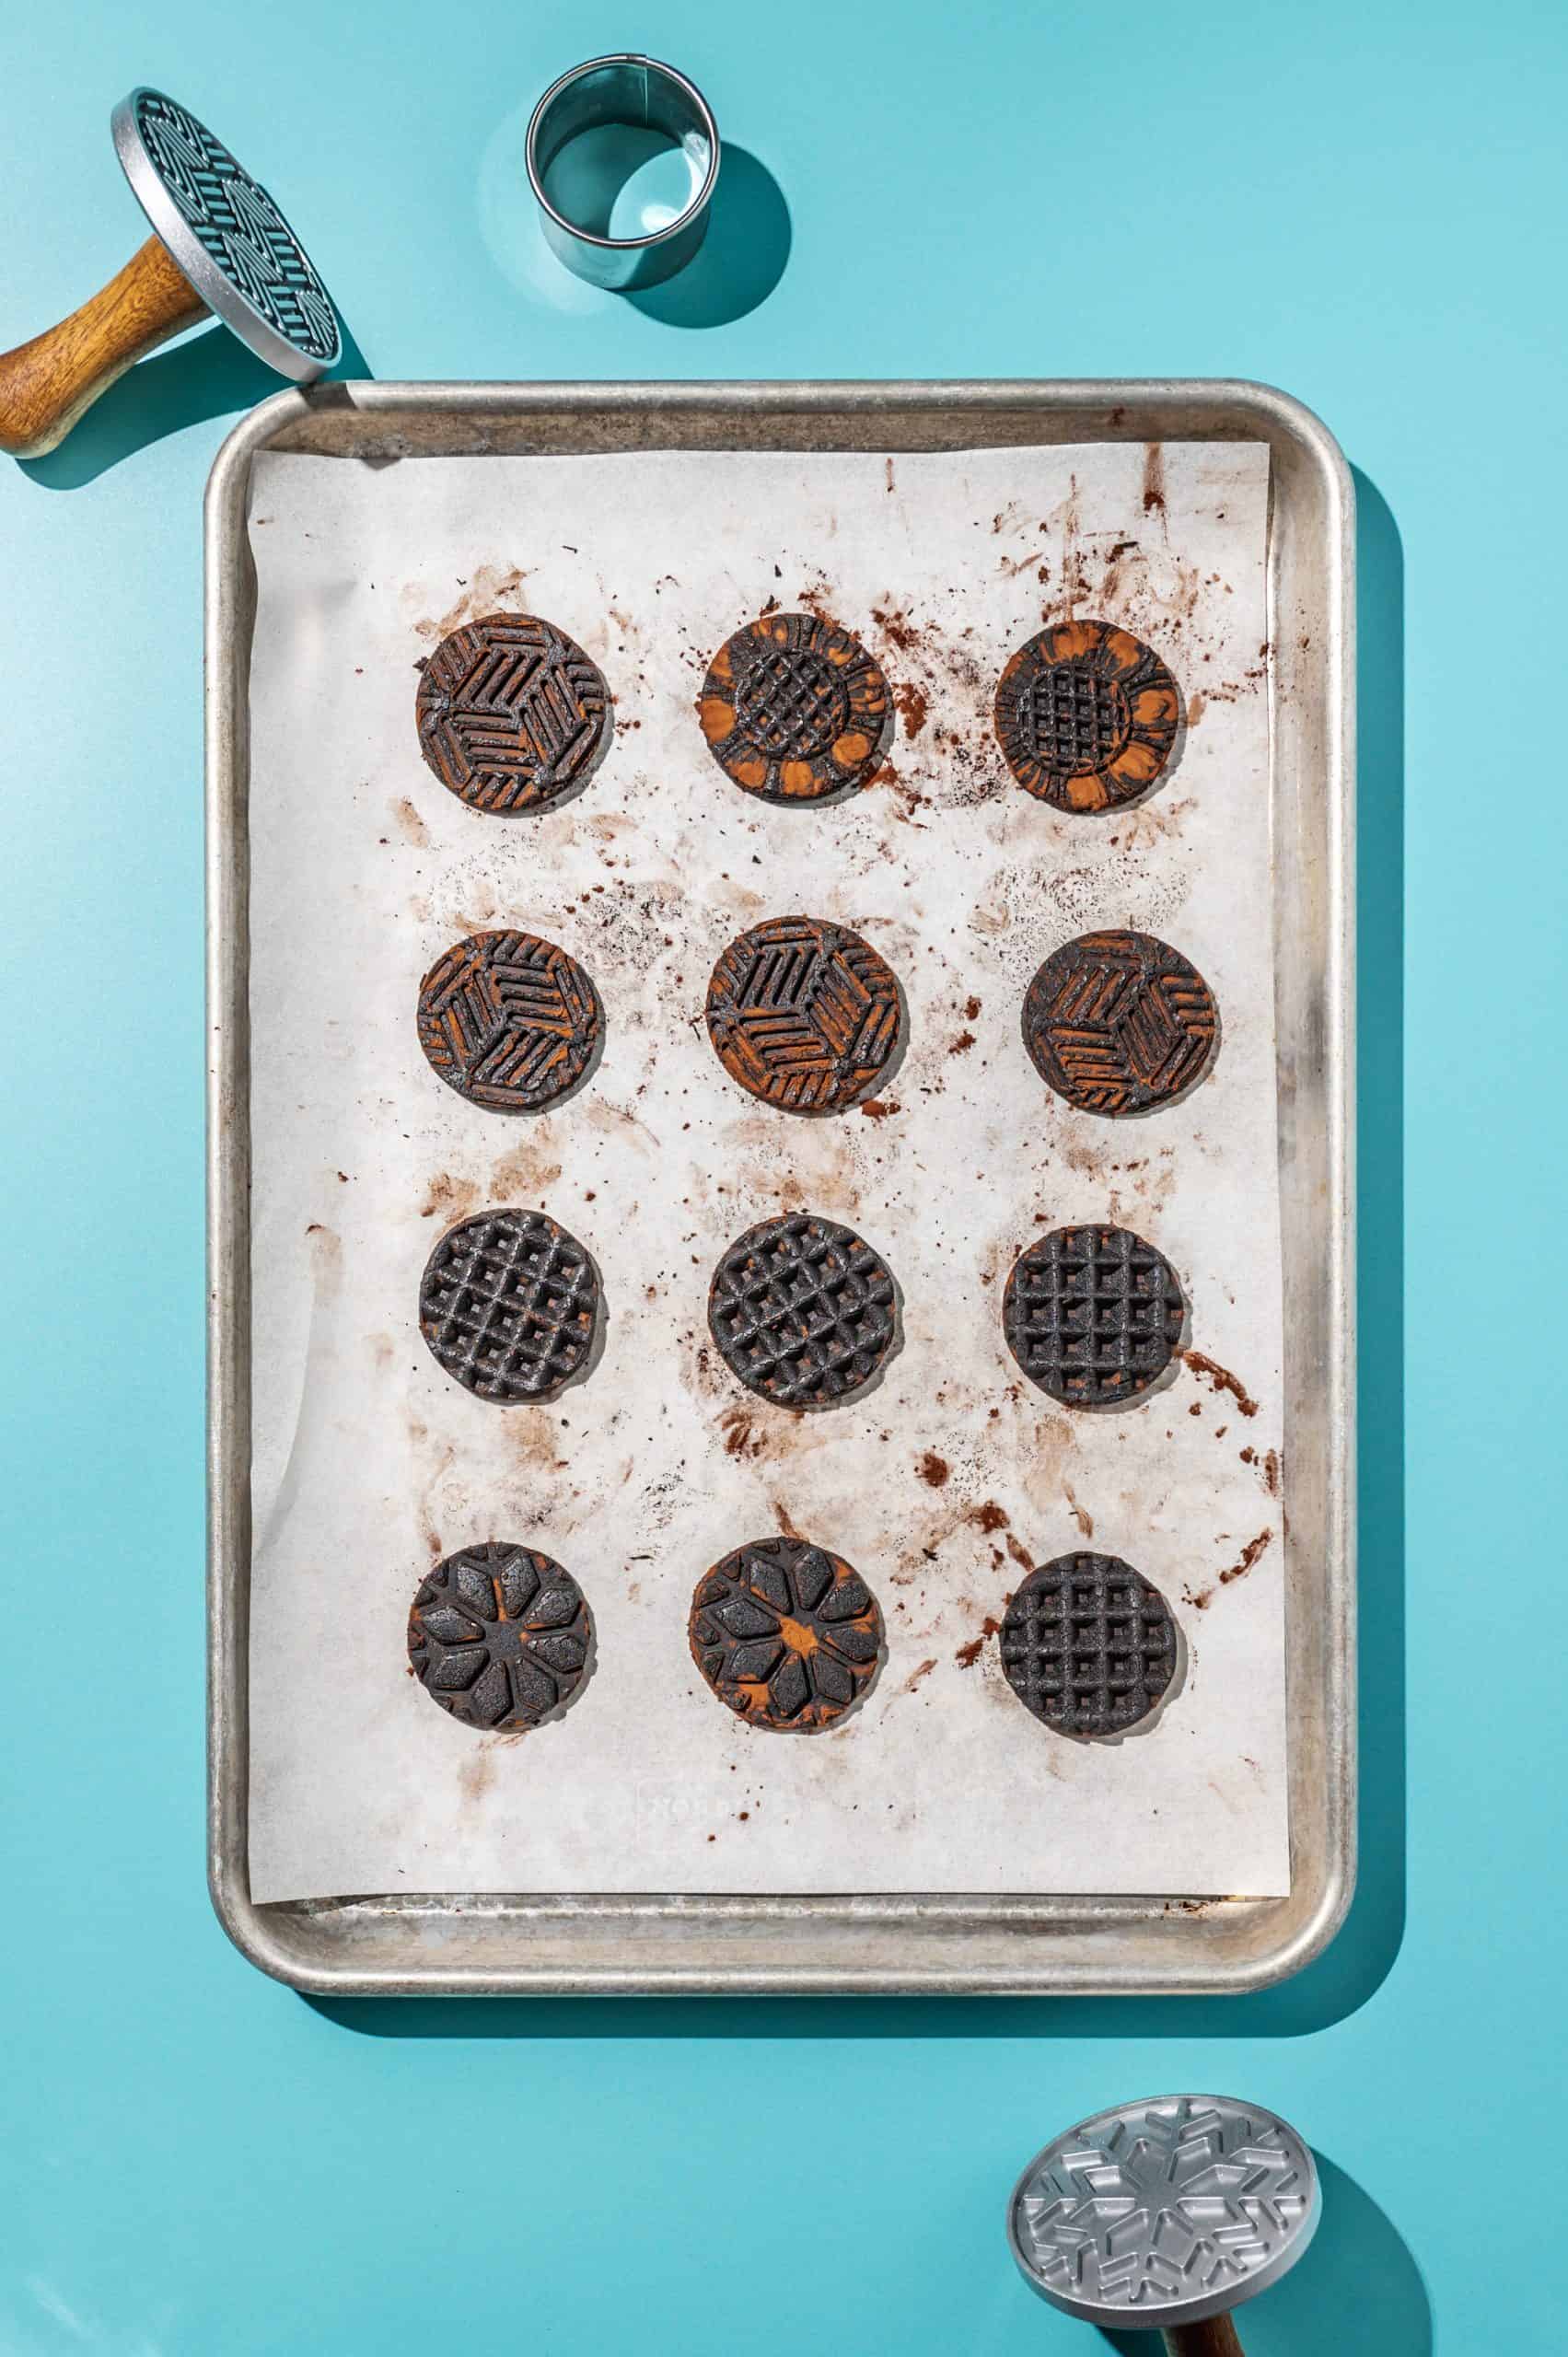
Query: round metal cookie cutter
640	93
1166	2214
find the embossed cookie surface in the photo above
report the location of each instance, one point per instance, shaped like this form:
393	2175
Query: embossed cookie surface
508	1020
508	1304
804	1014
1092	1315
802	1310
795	709
499	1636
788	1635
1119	1023
1086	715
512	715
1089	1645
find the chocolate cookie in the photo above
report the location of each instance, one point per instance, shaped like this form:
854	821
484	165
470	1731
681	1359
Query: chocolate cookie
499	1636
795	709
508	1020
1089	1645
508	1303
802	1310
1118	1023
786	1633
804	1014
1092	1315
1086	715
512	715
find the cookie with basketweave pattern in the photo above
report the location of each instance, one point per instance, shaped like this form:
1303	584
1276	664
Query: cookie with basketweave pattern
804	1014
1089	1645
1086	715
508	1303
508	1020
1093	1315
512	715
803	1310
1119	1023
499	1636
786	1633
795	709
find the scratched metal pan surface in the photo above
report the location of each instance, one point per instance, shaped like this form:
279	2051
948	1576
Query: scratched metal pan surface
581	1944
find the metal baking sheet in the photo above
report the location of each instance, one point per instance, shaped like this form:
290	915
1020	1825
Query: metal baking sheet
890	1941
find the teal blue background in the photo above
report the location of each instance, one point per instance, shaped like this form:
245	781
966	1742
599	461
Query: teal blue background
1361	202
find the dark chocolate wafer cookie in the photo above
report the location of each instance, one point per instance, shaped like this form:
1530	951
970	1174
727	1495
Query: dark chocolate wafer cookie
1092	1315
1086	715
499	1636
1089	1645
508	1303
804	1014
1119	1023
508	1020
788	1635
803	1310
512	715
795	709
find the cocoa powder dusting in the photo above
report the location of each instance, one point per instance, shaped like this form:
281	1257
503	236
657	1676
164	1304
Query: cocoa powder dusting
1221	1381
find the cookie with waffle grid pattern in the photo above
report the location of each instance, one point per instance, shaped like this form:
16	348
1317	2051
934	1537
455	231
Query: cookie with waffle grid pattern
499	1636
1092	1315
804	1014
787	1635
512	715
795	709
508	1020
1119	1023
1089	1645
508	1304
802	1310
1086	715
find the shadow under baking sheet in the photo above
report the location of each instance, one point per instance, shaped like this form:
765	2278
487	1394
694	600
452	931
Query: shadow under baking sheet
1354	1965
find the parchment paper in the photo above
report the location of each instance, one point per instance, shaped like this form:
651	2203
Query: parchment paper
953	1472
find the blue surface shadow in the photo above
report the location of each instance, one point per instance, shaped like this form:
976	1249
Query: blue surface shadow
209	375
1357	1961
740	260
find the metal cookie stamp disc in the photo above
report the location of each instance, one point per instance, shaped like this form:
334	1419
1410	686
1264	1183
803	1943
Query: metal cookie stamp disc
499	1636
227	234
1162	2214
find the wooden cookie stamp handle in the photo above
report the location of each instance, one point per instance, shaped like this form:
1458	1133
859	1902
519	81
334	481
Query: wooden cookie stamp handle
1216	2337
46	385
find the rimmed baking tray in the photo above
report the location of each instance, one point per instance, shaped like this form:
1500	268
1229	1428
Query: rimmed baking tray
579	1943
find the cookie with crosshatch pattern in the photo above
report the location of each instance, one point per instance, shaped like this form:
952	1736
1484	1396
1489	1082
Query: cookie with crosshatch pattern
1119	1023
804	1014
1092	1315
1089	1645
499	1636
508	1304
1086	715
802	1310
508	1020
788	1635
795	709
512	715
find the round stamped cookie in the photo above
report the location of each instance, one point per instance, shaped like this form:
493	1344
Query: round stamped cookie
804	1014
512	715
508	1304
1089	1645
795	709
787	1635
803	1311
1092	1315
1119	1023
509	1021
499	1636
1086	715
